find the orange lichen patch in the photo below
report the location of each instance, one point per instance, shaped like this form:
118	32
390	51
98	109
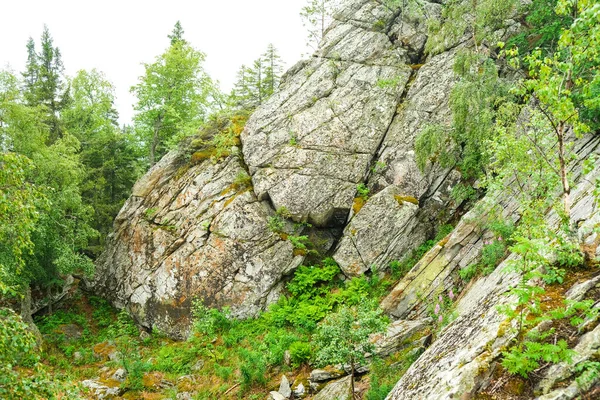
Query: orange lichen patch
299	252
359	202
104	349
416	67
443	242
219	244
231	188
406	199
202	155
152	380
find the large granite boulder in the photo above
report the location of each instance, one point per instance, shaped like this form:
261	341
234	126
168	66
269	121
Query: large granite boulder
192	232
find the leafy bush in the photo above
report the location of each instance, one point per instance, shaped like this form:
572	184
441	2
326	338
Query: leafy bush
300	352
253	368
209	321
525	358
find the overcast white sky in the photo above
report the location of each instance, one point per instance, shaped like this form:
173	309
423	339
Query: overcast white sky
117	36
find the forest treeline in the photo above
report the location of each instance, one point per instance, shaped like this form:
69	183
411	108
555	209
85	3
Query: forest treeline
67	165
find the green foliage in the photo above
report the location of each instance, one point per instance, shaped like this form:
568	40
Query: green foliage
473	101
54	243
254	85
343	336
276	223
479	19
363	191
525	358
18	348
544	27
309	282
300	353
253	368
209	321
110	156
588	371
173	98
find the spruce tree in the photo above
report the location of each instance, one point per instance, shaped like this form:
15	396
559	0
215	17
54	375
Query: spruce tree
44	82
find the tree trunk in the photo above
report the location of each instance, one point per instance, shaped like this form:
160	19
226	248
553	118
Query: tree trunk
26	314
154	144
566	195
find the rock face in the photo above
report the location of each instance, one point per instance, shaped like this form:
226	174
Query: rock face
190	231
455	364
194	230
312	142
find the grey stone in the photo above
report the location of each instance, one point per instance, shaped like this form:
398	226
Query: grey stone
120	375
299	391
284	387
322	375
102	391
396	335
189	231
321	130
579	290
339	390
276	396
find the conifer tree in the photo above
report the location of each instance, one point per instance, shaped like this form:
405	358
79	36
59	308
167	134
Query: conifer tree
255	85
44	81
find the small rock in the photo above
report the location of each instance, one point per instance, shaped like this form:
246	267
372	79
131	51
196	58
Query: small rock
198	366
144	335
120	375
299	391
578	291
184	396
100	390
284	387
276	396
114	356
321	375
287	358
77	356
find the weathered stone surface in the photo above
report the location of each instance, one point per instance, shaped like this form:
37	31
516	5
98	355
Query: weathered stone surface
587	348
339	390
396	172
102	391
284	387
397	334
387	215
323	375
191	232
120	375
454	364
276	396
313	141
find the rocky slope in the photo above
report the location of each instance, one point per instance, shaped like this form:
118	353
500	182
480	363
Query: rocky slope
195	228
346	116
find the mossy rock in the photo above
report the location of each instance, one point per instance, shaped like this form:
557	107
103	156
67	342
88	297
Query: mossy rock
406	199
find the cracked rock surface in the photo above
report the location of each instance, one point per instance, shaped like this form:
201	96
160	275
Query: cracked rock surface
190	232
